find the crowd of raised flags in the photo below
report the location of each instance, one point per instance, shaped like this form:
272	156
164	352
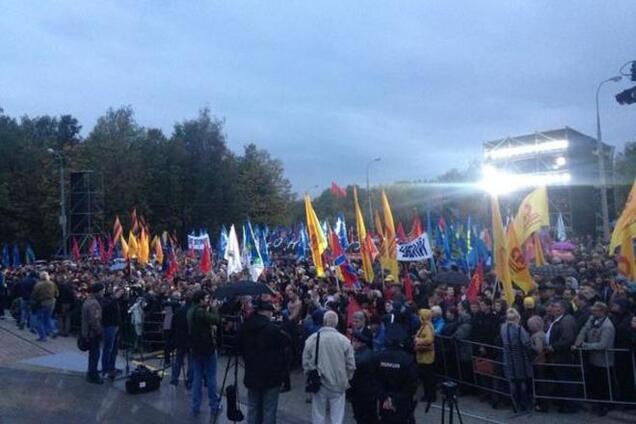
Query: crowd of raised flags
468	246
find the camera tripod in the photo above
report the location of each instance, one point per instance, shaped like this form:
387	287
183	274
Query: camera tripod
450	399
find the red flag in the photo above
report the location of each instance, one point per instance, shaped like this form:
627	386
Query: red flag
173	267
401	235
102	251
205	265
474	288
338	191
340	260
416	228
75	251
352	307
408	285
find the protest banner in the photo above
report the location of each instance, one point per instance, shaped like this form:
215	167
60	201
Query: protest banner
415	250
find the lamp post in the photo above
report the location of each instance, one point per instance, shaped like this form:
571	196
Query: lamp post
62	219
369	191
601	160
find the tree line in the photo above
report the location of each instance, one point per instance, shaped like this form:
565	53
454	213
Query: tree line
185	181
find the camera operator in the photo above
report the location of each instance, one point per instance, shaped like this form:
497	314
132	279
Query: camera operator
170	307
396	374
111	321
202	321
92	330
262	345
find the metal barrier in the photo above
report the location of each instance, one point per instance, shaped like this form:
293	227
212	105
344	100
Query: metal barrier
481	366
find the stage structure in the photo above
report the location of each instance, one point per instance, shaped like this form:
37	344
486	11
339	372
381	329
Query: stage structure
564	160
86	208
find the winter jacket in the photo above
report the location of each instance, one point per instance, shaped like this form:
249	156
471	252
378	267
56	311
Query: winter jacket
181	338
91	318
562	337
461	335
202	325
425	337
363	384
396	374
336	361
111	314
516	352
67	294
262	345
597	335
44	293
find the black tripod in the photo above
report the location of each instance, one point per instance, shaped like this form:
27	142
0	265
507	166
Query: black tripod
232	359
449	398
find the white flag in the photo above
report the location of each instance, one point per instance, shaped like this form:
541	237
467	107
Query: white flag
233	253
560	229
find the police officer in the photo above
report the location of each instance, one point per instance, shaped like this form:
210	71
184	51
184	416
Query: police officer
396	375
364	390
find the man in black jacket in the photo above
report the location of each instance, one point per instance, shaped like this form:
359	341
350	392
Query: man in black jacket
111	321
181	344
560	337
364	390
396	376
262	345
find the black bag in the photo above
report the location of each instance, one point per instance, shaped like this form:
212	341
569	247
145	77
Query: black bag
142	380
234	414
83	343
313	378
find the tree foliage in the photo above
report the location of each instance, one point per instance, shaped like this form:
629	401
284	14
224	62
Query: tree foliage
187	181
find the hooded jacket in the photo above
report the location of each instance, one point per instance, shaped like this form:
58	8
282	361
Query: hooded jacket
425	337
262	345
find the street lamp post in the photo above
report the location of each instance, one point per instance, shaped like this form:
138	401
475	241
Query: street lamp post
62	219
369	192
601	160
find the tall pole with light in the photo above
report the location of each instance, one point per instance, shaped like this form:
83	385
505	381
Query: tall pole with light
601	161
369	191
62	219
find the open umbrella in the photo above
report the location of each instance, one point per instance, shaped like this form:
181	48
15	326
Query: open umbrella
452	278
551	271
242	288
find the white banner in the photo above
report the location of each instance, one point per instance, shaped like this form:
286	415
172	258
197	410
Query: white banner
416	250
198	242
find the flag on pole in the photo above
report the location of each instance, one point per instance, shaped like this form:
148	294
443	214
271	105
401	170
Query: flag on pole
124	247
474	288
133	246
539	258
158	250
519	271
232	253
560	229
532	215
222	240
143	255
255	260
317	240
173	266
626	262
117	229
341	231
338	191
75	251
500	251
30	255
16	256
626	223
134	222
416	226
205	264
367	260
6	261
390	241
347	274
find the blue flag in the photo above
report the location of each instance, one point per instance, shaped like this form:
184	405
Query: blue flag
222	241
30	255
341	231
6	262
303	246
16	256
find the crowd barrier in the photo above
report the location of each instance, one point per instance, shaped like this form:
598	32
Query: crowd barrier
481	366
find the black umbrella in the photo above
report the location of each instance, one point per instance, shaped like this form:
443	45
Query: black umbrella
551	271
452	278
242	288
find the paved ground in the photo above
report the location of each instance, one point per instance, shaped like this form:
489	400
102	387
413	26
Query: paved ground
43	383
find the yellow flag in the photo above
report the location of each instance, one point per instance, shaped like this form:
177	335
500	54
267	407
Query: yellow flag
517	262
626	224
533	214
367	260
143	255
133	247
539	259
626	262
158	250
500	251
124	246
317	240
390	247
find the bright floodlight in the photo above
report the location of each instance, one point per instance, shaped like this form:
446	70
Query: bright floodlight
495	181
560	161
527	149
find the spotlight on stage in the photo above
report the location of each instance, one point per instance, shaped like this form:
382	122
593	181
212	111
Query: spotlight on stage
496	181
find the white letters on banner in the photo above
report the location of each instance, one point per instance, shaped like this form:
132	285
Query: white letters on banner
416	250
198	242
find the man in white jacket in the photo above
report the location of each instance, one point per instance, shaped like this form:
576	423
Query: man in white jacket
336	364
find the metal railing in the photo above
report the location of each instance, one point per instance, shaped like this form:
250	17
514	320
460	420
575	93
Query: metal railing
607	377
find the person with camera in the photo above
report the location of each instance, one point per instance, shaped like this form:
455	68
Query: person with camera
329	356
202	321
262	345
396	375
92	330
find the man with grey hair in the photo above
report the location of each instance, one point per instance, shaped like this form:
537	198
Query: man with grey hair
335	365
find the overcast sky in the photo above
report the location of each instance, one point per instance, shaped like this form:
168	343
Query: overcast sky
327	85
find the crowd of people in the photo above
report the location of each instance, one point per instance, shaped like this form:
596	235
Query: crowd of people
372	344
